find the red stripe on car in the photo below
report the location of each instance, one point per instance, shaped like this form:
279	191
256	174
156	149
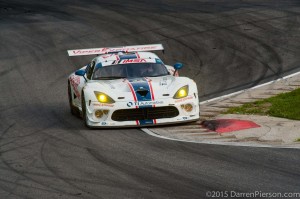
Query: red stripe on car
152	95
137	55
134	97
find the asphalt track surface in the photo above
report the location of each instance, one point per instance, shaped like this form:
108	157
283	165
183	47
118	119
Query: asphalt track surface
225	46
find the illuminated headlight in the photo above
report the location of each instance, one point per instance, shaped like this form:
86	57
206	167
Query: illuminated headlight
103	98
182	92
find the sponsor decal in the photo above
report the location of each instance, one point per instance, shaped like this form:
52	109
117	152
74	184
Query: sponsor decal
107	105
75	81
107	56
115	49
144	103
163	83
184	99
125	61
91	51
130	104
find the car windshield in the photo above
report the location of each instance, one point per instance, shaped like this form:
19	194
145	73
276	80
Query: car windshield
131	70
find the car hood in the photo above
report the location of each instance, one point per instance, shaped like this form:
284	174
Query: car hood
130	88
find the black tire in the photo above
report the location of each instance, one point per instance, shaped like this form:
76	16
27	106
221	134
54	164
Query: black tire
74	110
83	105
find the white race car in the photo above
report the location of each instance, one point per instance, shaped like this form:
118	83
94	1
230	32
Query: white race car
128	86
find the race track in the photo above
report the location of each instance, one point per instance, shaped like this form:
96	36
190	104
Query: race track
225	46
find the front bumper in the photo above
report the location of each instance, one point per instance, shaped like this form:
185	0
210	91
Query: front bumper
108	119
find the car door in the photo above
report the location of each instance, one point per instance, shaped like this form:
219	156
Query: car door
79	82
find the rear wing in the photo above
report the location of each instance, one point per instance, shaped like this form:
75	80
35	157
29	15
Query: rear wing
106	50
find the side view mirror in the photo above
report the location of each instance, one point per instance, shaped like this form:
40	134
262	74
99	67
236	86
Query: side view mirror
80	72
178	66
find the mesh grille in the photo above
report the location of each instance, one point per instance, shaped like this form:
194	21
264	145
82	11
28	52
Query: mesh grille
145	113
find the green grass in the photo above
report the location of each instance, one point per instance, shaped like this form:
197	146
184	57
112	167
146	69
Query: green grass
286	105
298	140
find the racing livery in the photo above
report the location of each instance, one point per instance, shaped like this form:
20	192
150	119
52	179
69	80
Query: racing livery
130	86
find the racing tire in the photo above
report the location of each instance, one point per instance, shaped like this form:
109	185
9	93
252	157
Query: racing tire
84	116
74	110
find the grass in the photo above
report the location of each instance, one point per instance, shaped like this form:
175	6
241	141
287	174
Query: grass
286	105
298	140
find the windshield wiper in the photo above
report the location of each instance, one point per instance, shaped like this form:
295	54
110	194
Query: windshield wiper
111	77
156	75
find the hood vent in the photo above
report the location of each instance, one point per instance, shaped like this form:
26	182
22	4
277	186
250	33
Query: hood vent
142	93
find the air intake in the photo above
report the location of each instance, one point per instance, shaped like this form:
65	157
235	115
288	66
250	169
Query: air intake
142	93
145	113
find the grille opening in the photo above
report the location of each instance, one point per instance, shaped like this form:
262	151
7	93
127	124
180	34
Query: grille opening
145	113
143	93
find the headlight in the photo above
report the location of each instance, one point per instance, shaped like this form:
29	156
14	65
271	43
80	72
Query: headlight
182	92
99	113
103	98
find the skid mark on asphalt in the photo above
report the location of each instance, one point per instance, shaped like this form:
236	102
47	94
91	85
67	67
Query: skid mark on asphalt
60	175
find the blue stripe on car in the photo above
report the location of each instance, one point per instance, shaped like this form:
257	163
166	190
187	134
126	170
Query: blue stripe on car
99	65
144	122
142	84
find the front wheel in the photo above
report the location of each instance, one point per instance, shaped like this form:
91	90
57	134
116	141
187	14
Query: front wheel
73	109
84	115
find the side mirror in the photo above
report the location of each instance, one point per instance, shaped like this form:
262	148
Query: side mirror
178	66
80	72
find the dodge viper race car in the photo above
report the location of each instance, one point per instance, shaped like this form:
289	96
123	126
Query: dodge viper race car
130	86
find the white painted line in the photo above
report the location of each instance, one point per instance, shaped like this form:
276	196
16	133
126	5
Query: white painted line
218	143
208	133
242	91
